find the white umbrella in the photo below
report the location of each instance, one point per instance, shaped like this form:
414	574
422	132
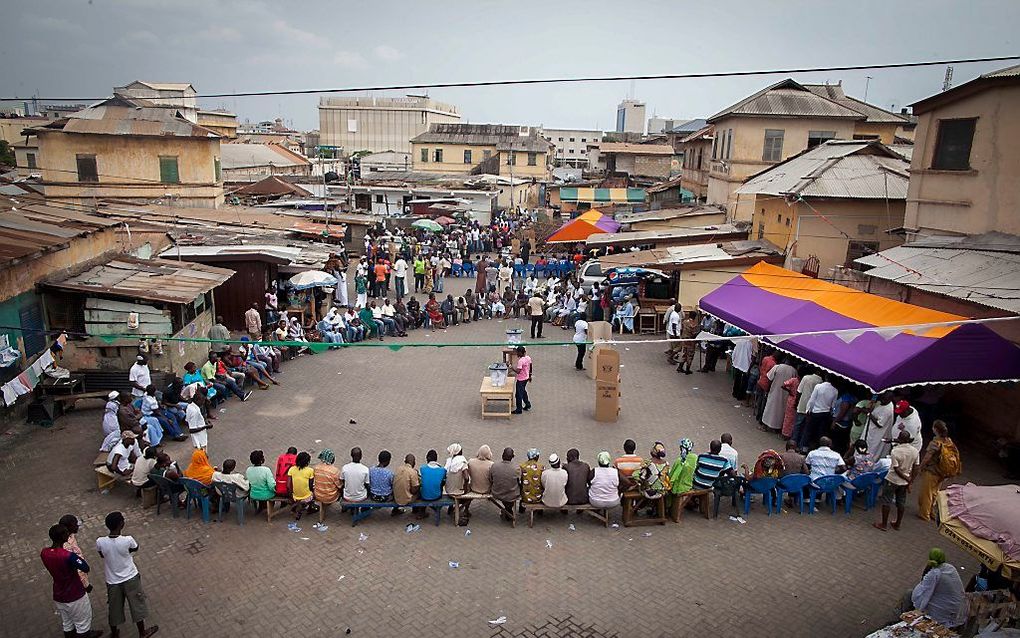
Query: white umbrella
312	279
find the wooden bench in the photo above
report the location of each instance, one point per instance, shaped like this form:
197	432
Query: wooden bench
107	478
282	501
467	497
598	513
629	520
364	509
676	510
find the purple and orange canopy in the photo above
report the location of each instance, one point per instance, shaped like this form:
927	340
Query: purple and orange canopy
583	226
874	348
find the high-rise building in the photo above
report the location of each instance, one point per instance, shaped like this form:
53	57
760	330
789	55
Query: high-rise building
630	117
378	124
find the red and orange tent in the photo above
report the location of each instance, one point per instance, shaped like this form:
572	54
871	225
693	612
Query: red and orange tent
582	227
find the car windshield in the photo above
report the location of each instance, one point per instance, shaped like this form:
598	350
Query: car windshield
593	270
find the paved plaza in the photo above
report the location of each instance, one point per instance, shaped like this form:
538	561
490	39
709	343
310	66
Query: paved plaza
790	575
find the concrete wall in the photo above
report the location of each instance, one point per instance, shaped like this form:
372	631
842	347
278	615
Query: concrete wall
128	168
745	152
389	125
453	160
980	200
864	220
885	131
695	283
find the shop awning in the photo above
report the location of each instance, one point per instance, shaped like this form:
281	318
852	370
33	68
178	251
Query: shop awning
582	227
873	349
602	195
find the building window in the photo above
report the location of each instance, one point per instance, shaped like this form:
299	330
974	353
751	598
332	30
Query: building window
729	143
168	173
571	139
437	156
425	156
217	169
857	249
30	160
814	138
379	199
533	158
761	230
467	156
584	140
561	139
715	141
486	154
952	146
87	170
700	153
571	151
773	148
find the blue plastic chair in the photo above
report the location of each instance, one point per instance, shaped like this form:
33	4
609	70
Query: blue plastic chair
529	269
764	486
456	270
198	495
519	271
165	487
228	497
792	484
863	485
829	485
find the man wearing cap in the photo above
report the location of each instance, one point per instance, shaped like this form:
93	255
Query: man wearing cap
904	461
554	483
909	421
139	376
122	457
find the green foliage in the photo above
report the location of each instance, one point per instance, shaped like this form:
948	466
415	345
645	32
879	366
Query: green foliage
6	154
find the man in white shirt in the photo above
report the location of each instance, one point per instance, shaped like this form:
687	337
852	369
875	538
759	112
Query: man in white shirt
727	451
879	428
909	421
122	457
228	475
400	273
904	461
123	584
804	388
743	354
673	316
824	460
389	312
139	376
554	483
819	413
580	342
197	426
355	478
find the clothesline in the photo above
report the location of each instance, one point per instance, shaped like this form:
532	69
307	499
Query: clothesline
29	377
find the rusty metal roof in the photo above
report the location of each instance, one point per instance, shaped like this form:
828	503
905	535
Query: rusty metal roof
145	279
110	119
871	112
29	227
787	99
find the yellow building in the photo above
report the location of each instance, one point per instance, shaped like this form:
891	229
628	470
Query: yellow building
777	123
834	203
696	149
118	150
222	123
518	151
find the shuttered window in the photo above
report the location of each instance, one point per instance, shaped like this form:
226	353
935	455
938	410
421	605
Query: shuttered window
168	173
87	171
952	148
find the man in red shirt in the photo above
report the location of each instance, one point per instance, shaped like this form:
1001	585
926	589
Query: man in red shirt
380	270
69	594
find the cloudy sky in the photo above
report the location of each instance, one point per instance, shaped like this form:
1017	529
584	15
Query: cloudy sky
72	48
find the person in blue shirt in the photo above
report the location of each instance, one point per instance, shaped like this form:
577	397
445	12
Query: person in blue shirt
380	479
433	475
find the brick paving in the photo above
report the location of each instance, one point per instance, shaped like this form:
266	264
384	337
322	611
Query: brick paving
789	574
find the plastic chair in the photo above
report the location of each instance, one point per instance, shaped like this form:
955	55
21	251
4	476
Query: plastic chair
228	497
165	487
862	485
456	270
468	269
519	271
198	494
792	484
726	487
529	269
764	486
829	485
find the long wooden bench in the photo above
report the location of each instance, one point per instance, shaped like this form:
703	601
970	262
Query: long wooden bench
629	499
281	501
363	509
105	477
598	513
676	510
468	497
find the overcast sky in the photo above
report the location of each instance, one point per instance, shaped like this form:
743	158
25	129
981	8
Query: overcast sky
85	47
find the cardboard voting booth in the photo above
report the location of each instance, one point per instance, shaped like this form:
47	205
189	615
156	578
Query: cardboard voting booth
607	384
598	331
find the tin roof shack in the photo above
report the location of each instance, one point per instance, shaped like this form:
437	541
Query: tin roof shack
140	298
39	240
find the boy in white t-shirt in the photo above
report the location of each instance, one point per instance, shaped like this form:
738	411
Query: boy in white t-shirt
123	583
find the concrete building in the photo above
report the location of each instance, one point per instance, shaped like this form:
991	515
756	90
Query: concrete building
630	117
221	122
122	149
696	151
830	205
646	160
376	124
495	149
254	162
779	122
571	146
657	125
180	96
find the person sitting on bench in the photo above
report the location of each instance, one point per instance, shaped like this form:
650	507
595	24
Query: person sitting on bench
228	475
122	457
433	477
407	485
578	478
261	482
355	478
505	478
554	484
380	481
299	486
327	478
605	483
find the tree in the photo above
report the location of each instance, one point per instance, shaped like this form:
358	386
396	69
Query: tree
6	154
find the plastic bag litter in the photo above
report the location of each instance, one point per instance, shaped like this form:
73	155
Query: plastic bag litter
571	527
738	519
411	528
499	621
293	527
319	527
548	544
467	532
454	565
647	534
362	537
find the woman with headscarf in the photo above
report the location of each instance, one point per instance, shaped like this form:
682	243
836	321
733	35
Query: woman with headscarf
681	473
768	465
859	460
531	478
604	491
326	478
199	468
653	475
940	594
434	313
456	470
478	470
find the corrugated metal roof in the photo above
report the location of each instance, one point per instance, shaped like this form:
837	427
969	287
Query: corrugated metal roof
787	99
253	155
29	227
107	119
705	133
871	112
690	126
625	148
722	231
1008	72
663	214
148	279
850	170
675	257
982	277
503	137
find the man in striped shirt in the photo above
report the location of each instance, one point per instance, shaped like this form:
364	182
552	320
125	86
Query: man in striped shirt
711	466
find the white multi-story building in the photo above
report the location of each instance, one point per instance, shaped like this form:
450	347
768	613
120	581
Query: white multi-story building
630	117
571	145
379	124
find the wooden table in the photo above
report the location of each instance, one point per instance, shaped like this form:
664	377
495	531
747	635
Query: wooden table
496	402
